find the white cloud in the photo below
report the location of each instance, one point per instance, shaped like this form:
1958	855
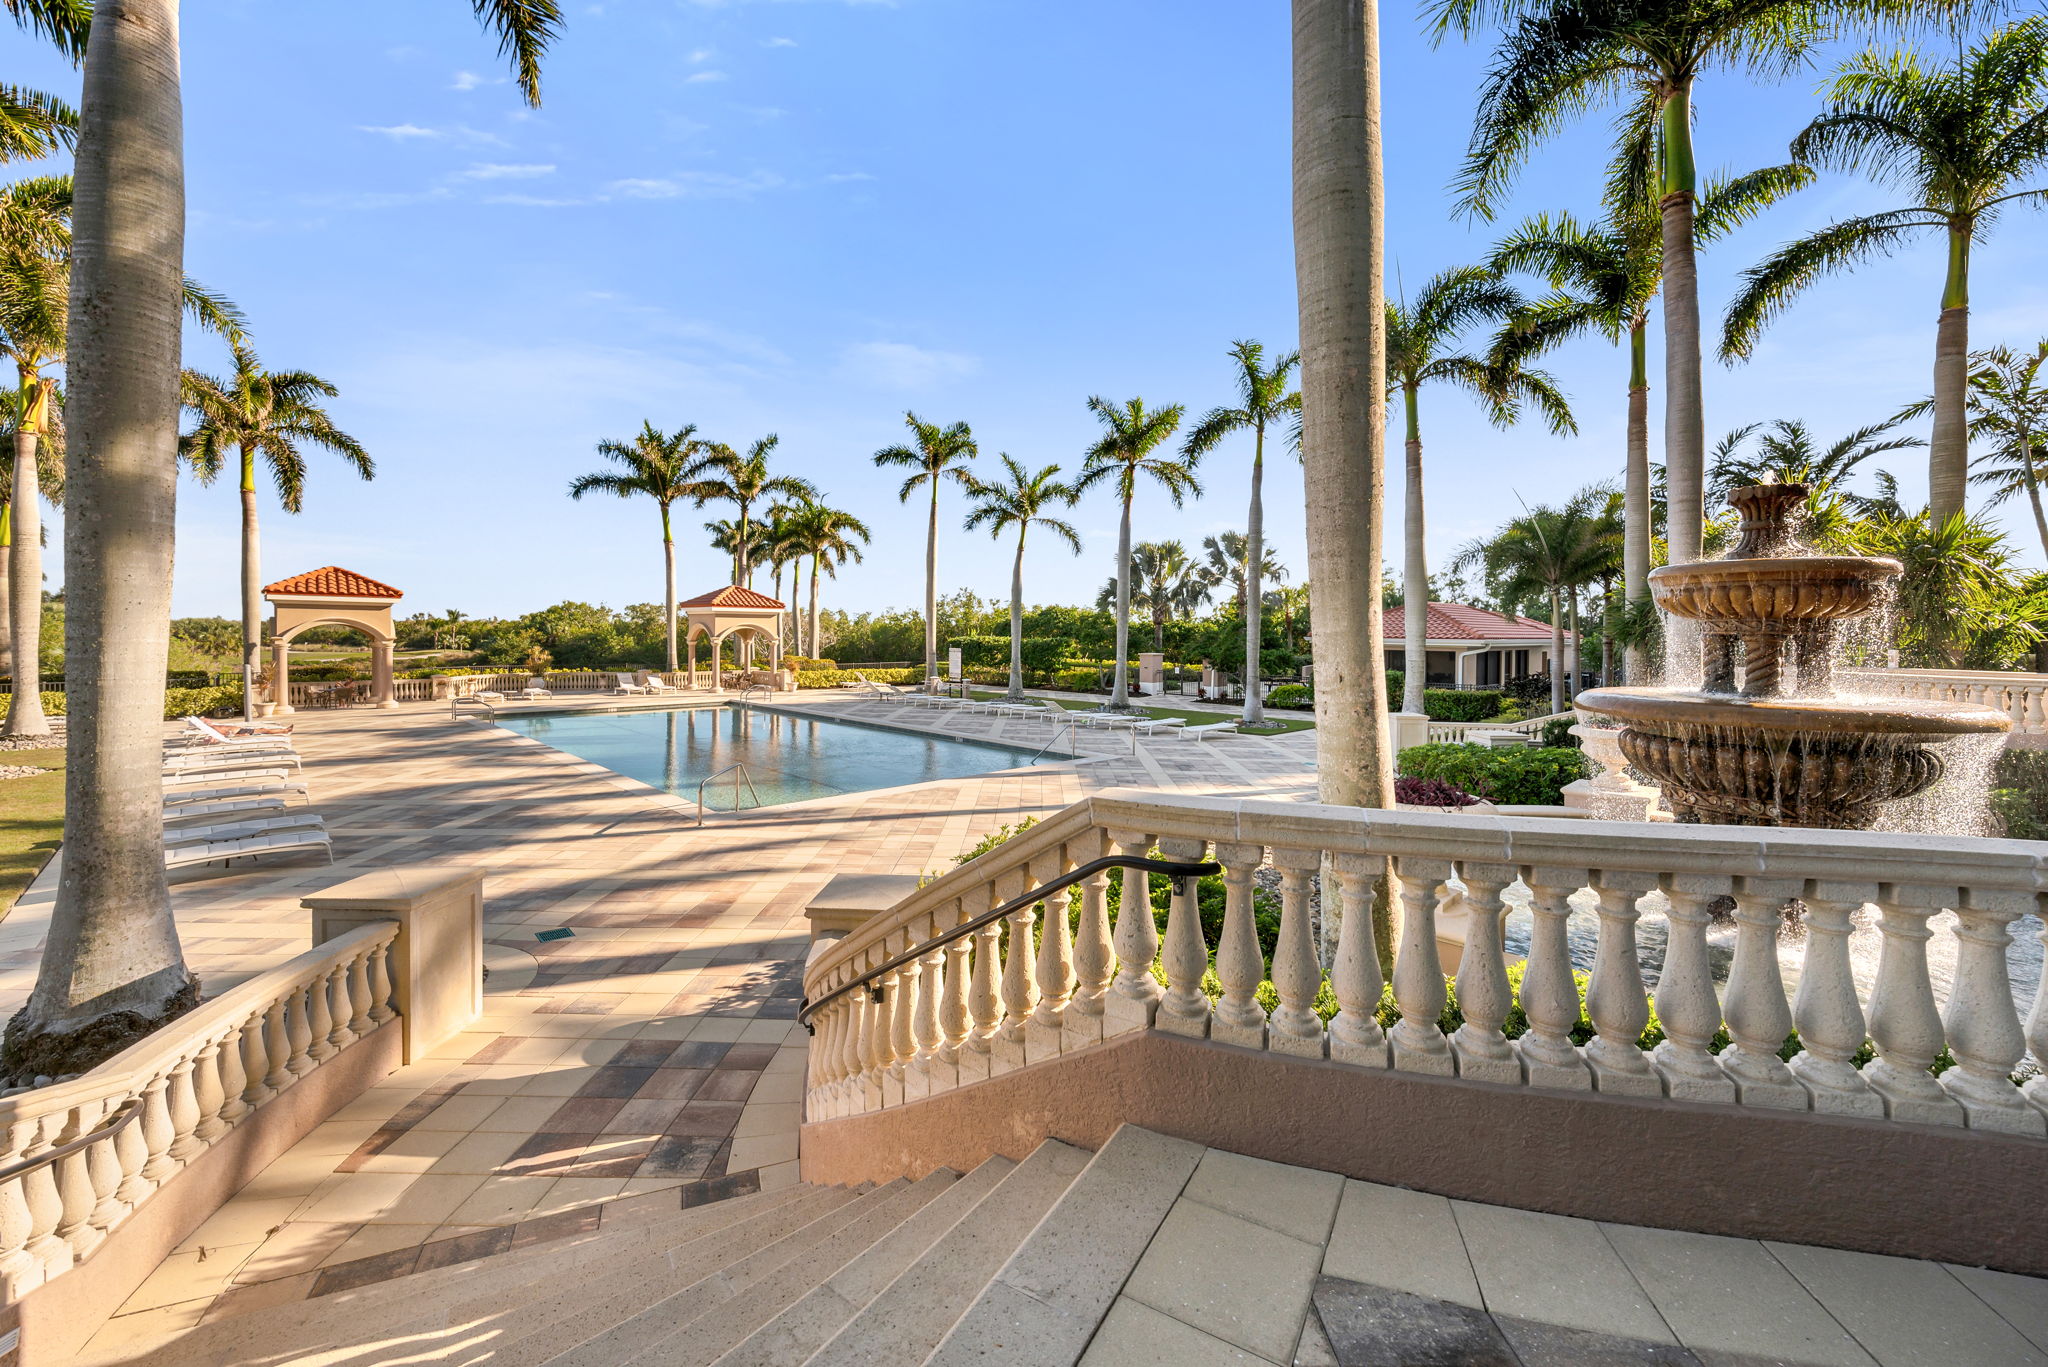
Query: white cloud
702	55
401	132
700	77
846	177
503	171
534	201
467	80
899	365
778	42
696	185
412	132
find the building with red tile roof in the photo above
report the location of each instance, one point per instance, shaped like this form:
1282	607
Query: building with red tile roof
1472	647
331	581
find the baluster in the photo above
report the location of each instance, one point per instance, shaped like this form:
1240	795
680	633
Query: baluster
851	1056
1294	1027
17	1265
277	1046
1020	994
1550	994
255	1063
1829	1017
1686	1003
875	1024
925	1025
339	1009
1134	996
319	1020
208	1095
184	1114
234	1080
131	1156
74	1189
2037	709
1355	977
159	1131
954	1020
1758	1016
1240	965
902	999
1904	1024
983	1003
299	1025
1983	1028
1184	953
1094	960
1054	971
1483	995
45	1204
1417	1039
359	994
380	984
103	1173
1615	997
2036	1089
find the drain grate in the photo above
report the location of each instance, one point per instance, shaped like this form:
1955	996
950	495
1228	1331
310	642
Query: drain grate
558	933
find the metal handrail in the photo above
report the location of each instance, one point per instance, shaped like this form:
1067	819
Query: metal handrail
455	706
1069	727
752	689
1179	872
124	1115
738	772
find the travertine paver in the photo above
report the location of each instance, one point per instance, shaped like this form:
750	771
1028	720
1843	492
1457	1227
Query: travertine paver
654	1051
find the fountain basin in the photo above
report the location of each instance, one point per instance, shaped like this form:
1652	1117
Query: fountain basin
1773	595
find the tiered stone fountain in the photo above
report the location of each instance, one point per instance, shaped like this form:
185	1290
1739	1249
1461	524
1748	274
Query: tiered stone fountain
1764	741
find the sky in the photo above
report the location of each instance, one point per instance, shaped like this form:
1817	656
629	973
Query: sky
806	217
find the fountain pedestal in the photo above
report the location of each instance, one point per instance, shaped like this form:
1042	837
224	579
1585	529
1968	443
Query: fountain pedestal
1611	794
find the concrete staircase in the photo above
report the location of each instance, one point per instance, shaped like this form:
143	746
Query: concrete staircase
909	1272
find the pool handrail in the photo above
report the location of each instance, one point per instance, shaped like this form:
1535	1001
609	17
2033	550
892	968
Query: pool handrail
1058	727
739	773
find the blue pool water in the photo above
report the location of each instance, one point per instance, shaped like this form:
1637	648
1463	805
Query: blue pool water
789	759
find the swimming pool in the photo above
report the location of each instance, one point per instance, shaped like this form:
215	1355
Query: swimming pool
789	758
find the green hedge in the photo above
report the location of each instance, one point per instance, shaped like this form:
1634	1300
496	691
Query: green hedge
832	678
1042	655
1291	695
1461	704
178	702
1516	777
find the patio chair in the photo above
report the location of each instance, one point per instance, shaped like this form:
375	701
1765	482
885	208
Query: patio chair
253	769
1090	718
859	680
538	688
1207	729
204	752
184	811
280	786
200	731
237	827
656	684
623	683
192	762
267	842
1152	726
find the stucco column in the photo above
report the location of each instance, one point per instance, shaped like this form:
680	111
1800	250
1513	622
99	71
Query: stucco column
280	679
380	674
690	652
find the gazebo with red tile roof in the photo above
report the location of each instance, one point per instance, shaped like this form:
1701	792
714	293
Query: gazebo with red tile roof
1471	647
733	612
331	597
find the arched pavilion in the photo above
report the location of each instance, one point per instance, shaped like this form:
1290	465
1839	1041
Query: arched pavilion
331	597
731	613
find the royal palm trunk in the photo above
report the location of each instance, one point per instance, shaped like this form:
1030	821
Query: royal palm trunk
1254	608
1685	442
1415	569
1556	652
668	568
817	647
1119	689
252	588
1575	650
1948	453
931	586
112	968
1635	497
6	606
1017	620
25	567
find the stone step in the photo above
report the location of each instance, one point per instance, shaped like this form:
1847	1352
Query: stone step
799	1330
620	1333
422	1301
702	1340
1044	1305
908	1317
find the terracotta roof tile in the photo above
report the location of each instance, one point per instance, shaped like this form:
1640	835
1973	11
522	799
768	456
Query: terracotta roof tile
331	581
1458	622
731	596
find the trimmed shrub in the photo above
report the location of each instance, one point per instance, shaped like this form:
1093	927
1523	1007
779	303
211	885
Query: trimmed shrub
1397	682
1557	734
803	663
832	678
1516	777
1461	704
1430	792
201	702
1291	695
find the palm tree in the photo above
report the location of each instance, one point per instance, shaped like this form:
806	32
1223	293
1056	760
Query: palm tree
668	468
111	968
1785	454
1131	436
1022	501
744	481
1562	58
728	539
1958	143
1165	584
34	280
1263	397
2009	407
936	454
830	538
50	481
1339	266
1226	560
1419	341
274	415
778	548
1604	277
1548	554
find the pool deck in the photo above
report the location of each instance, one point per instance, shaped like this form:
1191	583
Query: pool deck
652	1057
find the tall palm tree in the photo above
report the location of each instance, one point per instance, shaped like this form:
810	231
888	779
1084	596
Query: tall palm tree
1547	554
1785	453
667	467
112	968
1420	338
274	415
936	454
1023	500
1128	448
49	478
1959	142
779	550
1166	584
744	481
1263	398
2009	408
1227	561
35	252
1604	276
1561	58
830	538
1339	266
736	544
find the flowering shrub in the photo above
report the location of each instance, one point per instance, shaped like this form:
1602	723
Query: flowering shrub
1431	792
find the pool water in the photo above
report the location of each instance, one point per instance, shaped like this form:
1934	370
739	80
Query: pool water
788	758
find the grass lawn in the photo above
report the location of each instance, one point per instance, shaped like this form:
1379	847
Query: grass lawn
1283	722
31	819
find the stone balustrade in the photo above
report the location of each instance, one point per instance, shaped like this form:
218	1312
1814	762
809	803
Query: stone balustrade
1456	731
1034	986
2023	697
153	1109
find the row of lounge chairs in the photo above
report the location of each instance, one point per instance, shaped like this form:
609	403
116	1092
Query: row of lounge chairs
228	794
1046	709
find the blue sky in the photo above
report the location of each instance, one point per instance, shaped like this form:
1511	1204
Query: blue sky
805	216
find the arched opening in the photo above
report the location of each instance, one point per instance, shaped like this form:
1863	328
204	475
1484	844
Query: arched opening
331	597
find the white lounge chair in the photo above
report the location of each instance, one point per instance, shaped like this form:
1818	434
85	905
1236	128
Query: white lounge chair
187	811
281	788
236	827
255	769
656	684
240	847
859	680
538	688
1207	729
1152	726
233	733
1093	720
624	684
190	761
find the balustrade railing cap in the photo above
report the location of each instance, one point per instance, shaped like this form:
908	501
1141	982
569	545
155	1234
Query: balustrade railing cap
1665	848
395	886
1439	835
1897	857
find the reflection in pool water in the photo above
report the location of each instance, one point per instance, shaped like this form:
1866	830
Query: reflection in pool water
788	758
